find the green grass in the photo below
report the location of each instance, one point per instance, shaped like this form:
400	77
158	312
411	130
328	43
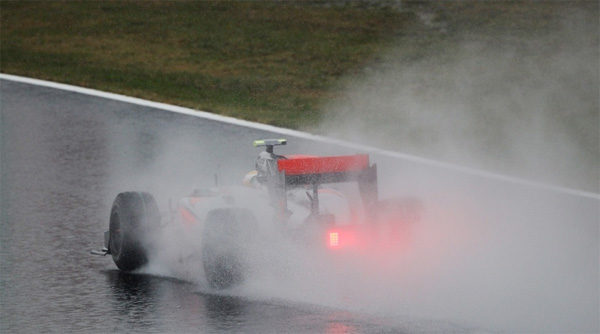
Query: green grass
272	62
268	62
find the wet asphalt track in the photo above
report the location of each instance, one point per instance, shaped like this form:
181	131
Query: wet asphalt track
64	158
66	155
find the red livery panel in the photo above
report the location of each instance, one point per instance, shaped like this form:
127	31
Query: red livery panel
323	165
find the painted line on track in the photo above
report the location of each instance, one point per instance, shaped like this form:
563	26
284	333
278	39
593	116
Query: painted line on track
293	133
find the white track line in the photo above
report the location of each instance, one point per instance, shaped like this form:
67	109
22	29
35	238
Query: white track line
293	133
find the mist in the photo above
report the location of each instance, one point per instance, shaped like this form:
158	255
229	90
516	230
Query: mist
499	255
522	105
486	254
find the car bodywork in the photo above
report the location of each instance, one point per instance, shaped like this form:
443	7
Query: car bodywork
299	194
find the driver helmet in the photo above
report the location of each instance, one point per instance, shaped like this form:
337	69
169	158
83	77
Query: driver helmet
250	180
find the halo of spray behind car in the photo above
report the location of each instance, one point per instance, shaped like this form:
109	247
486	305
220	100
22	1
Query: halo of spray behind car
228	227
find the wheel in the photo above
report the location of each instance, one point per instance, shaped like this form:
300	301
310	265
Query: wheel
227	232
396	218
398	210
133	217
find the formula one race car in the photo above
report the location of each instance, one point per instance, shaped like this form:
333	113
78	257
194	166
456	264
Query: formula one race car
301	196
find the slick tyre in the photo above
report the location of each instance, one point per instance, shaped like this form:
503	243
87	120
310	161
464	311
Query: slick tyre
133	218
395	219
398	211
226	235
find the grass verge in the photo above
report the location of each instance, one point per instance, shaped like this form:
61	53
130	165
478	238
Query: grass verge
271	62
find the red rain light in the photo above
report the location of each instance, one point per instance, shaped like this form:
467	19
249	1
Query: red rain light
334	239
342	237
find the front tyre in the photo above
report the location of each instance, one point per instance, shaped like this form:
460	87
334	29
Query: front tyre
133	218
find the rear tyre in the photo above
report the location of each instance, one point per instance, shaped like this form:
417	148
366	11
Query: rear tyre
133	218
227	233
398	211
397	217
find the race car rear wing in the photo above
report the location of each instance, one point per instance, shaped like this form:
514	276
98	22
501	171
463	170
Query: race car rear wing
318	170
311	170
